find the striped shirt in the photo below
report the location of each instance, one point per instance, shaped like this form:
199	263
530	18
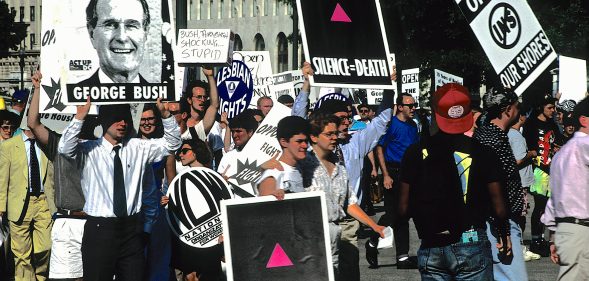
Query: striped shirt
95	161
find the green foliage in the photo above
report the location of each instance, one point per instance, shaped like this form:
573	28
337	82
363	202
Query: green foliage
11	32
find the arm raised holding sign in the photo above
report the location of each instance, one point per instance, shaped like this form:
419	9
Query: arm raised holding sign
211	112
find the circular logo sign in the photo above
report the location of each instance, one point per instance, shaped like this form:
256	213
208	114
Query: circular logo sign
235	87
194	206
456	111
505	25
332	96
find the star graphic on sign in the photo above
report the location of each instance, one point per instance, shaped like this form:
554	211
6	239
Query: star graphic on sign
164	58
168	67
172	77
54	94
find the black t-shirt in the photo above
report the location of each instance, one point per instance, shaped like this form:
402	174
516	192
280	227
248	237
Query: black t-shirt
438	175
542	136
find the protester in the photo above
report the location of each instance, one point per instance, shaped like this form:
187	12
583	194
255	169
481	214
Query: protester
8	123
292	133
402	133
265	104
287	100
242	128
68	225
111	244
27	197
494	173
204	103
435	185
322	172
567	211
542	136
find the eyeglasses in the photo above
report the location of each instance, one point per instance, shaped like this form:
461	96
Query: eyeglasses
200	97
147	119
331	134
7	127
344	118
363	111
410	105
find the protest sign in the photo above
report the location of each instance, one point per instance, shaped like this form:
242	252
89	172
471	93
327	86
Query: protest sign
410	82
512	38
346	43
194	206
374	96
259	149
204	46
261	68
442	78
235	87
572	78
282	84
266	239
80	60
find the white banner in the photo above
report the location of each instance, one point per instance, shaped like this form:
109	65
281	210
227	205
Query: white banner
261	68
210	46
262	146
410	82
572	78
512	38
442	78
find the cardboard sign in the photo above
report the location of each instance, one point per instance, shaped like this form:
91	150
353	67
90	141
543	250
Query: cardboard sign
512	38
442	78
76	65
266	239
194	207
410	82
235	87
572	78
259	149
374	96
210	46
261	68
346	43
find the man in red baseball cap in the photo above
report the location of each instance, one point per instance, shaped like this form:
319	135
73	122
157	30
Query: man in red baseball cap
434	189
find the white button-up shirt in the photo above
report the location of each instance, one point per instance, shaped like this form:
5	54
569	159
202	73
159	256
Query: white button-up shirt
96	163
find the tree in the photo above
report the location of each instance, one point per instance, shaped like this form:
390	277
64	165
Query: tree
12	33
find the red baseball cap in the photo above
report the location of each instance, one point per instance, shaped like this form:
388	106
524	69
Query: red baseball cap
451	104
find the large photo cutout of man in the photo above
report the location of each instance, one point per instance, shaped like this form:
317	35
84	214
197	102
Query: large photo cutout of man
89	45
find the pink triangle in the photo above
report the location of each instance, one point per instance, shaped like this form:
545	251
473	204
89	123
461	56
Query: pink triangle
278	258
340	15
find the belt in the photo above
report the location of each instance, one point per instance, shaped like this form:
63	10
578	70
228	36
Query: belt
71	213
583	222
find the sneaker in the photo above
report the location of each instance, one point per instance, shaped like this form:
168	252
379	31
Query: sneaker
540	247
408	263
529	255
371	255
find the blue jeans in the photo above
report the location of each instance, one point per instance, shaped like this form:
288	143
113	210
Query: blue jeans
517	269
458	261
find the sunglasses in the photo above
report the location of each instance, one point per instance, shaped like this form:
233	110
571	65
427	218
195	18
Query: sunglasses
363	111
410	105
7	127
184	151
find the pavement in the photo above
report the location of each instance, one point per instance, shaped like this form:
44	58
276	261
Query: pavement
538	270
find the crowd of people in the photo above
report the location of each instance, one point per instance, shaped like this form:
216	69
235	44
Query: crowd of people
81	206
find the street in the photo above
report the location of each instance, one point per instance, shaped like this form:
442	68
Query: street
538	270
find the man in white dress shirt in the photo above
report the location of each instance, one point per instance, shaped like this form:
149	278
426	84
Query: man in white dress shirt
112	169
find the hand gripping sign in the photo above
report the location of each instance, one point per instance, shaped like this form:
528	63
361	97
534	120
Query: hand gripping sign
194	206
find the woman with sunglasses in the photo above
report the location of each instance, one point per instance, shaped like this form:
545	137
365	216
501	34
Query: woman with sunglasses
8	122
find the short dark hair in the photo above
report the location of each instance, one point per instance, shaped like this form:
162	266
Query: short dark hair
285	99
318	120
201	151
9	116
363	105
581	109
92	17
399	99
196	84
290	126
244	120
159	127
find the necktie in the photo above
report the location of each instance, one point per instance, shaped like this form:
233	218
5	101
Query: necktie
119	196
340	155
34	170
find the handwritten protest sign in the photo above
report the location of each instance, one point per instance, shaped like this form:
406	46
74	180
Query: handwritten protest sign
442	78
210	46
